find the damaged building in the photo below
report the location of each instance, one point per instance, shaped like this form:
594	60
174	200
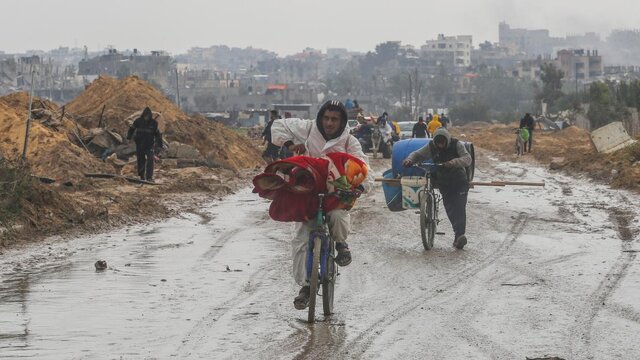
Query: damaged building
154	68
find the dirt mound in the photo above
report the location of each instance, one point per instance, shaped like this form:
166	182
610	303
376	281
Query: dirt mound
569	149
570	143
121	98
51	151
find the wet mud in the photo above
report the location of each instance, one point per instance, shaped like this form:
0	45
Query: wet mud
548	272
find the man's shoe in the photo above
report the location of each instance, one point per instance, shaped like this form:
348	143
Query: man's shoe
460	242
302	300
344	255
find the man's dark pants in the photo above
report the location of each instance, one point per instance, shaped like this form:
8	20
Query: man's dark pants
529	141
454	199
145	163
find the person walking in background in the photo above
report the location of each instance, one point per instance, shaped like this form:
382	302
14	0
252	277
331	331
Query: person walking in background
444	120
146	134
419	129
528	123
433	125
271	153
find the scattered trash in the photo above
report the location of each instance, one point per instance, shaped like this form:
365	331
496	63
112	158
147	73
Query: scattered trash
100	265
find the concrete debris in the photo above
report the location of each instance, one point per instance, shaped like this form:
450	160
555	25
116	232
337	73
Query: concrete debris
611	137
182	151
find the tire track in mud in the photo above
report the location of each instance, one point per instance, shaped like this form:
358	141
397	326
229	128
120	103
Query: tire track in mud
581	334
221	242
193	338
358	346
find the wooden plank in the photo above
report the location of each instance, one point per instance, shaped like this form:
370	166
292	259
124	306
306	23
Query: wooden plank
115	176
476	183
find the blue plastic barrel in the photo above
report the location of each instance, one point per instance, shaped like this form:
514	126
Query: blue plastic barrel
392	194
401	150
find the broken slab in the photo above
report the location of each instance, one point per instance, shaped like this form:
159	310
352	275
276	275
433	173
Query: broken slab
611	137
182	151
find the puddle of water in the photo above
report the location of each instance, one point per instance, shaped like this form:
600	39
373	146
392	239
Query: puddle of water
157	278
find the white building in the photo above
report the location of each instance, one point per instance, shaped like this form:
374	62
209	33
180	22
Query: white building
456	49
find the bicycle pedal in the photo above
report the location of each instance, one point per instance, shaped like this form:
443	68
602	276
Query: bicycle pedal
440	233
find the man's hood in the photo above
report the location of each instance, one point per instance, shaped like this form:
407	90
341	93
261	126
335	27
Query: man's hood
443	133
333	105
145	112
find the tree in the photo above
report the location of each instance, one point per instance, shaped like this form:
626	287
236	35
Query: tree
475	110
551	83
600	109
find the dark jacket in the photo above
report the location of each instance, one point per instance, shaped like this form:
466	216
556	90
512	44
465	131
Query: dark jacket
528	122
266	133
145	132
455	151
419	130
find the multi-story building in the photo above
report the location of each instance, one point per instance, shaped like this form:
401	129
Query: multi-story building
448	50
155	68
531	42
580	64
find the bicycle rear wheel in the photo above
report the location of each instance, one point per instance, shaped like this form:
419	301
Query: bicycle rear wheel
313	279
329	282
427	221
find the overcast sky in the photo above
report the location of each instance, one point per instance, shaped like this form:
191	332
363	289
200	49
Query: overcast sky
288	26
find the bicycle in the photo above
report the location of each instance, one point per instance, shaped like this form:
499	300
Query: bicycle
429	203
321	266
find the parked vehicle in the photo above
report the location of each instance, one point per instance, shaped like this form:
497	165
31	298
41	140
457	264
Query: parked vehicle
406	129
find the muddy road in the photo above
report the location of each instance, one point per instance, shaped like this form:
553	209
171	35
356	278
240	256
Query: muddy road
547	272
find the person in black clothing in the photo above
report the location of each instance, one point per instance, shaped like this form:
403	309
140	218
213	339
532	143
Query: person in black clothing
146	134
450	179
528	122
444	120
272	152
419	129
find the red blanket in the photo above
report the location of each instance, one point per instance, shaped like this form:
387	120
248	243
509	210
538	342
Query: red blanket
294	183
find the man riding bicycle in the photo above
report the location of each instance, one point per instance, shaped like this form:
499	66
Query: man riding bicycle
305	137
450	179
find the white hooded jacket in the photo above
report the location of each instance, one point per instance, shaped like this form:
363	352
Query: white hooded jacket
306	132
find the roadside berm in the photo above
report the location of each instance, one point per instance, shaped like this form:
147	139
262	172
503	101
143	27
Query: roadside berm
570	150
66	143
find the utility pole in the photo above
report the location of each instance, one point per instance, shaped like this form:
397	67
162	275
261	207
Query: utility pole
28	127
177	90
576	66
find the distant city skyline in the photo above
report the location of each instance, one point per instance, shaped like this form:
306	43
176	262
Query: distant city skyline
288	26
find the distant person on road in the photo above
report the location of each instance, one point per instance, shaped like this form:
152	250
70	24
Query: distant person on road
271	152
315	138
444	120
419	129
433	125
146	134
528	123
450	178
382	120
348	104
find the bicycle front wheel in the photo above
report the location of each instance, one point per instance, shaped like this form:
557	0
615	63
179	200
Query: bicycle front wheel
427	221
329	282
313	280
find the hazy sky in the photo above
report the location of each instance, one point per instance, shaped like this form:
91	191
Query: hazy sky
288	26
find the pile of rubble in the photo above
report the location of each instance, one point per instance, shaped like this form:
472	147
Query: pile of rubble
55	150
111	105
